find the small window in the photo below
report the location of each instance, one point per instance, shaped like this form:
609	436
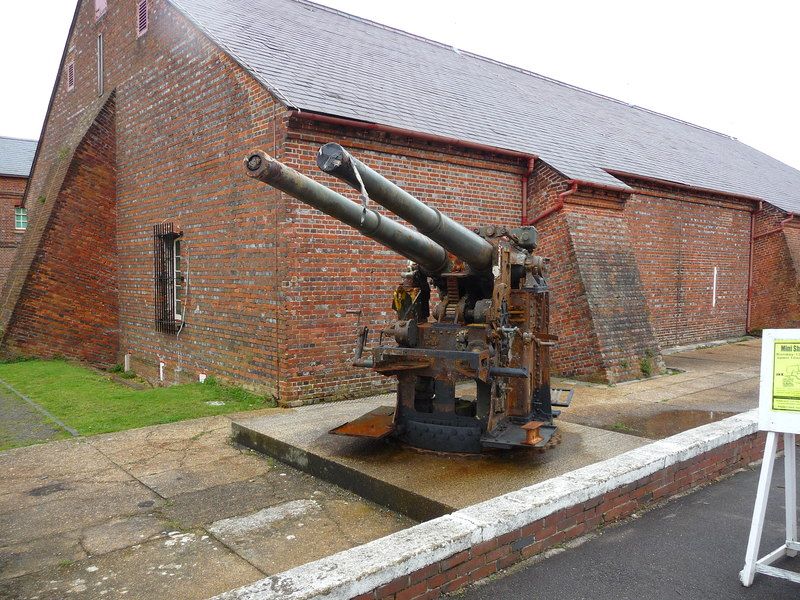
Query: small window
170	288
100	66
141	17
20	218
71	76
99	9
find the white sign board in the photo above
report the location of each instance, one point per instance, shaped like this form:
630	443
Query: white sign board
779	394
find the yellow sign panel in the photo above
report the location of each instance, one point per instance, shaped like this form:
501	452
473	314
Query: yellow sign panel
786	376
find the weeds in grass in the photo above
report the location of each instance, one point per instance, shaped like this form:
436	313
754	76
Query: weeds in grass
646	363
620	426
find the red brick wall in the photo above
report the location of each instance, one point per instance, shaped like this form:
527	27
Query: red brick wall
69	301
186	115
577	352
482	560
11	191
678	239
598	309
615	295
776	259
271	282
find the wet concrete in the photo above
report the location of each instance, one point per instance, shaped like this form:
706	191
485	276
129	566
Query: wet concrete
712	383
135	514
664	424
420	484
708	384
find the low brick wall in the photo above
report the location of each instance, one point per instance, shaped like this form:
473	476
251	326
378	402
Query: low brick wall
447	553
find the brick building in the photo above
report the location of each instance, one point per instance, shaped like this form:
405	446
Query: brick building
16	158
147	238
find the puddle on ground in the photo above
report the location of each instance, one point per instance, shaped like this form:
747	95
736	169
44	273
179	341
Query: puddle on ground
667	423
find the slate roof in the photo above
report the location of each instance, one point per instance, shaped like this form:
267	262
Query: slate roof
16	156
321	60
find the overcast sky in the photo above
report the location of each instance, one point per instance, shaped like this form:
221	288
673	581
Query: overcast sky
727	65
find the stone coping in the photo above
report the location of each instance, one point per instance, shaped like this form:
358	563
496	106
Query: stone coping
364	568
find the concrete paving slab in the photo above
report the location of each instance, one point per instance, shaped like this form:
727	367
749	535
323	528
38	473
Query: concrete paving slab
27	468
96	504
121	532
300	531
31	556
174	446
191	478
182	565
278	485
181	457
420	484
107	516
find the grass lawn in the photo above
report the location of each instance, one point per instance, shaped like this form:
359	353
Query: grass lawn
90	402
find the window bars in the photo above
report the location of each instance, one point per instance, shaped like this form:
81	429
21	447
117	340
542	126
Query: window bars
167	319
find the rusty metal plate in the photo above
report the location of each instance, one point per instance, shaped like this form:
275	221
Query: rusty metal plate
375	424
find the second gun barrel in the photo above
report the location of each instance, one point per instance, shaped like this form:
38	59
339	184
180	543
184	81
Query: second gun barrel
465	244
413	245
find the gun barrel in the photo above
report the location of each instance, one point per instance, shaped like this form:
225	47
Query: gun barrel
407	242
463	243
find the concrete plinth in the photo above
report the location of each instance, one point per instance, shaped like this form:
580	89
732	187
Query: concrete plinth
422	485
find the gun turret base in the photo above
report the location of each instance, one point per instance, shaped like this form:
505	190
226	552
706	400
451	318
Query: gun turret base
447	432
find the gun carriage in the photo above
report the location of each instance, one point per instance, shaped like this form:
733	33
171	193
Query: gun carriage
490	325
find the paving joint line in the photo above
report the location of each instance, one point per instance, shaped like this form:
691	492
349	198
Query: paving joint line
124	470
202	527
41	409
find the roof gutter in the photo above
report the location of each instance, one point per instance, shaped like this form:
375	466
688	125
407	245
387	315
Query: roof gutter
559	205
778	228
530	159
682	187
419	135
574	183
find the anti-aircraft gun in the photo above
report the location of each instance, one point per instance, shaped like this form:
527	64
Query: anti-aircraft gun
489	326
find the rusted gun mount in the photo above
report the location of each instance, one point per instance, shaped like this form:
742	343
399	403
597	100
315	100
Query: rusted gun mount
489	326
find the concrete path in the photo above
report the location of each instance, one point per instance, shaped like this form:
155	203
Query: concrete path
707	384
171	511
22	424
176	511
692	547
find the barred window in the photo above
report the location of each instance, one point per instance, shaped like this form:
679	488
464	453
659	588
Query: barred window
169	284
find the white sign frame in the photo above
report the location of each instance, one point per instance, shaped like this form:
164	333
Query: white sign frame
781	421
776	422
